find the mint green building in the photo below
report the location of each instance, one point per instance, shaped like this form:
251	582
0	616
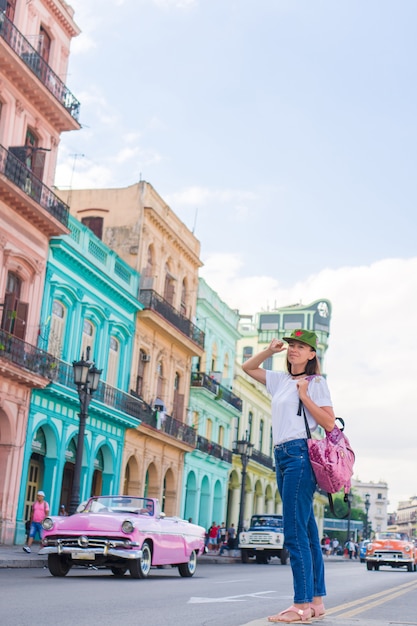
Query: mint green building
214	410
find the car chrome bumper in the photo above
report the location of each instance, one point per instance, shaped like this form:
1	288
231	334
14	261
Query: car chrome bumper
106	552
380	559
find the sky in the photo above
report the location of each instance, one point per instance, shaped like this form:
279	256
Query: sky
283	133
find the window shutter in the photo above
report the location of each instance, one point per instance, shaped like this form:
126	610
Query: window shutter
21	319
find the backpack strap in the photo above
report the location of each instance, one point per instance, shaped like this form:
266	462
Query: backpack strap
331	506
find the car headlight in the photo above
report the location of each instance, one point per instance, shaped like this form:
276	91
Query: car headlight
407	548
127	526
243	539
369	547
48	523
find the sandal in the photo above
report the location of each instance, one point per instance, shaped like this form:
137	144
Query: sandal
304	616
318	611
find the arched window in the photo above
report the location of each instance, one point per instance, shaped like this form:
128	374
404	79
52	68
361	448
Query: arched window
44	46
184	298
250	424
160	380
178	401
10	9
221	435
113	363
88	337
57	328
169	288
261	434
15	311
247	353
214	358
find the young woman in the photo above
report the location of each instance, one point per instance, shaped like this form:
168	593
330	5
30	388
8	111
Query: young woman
295	478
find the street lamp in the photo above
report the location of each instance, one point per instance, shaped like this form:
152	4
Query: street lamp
86	379
350	499
244	448
367	505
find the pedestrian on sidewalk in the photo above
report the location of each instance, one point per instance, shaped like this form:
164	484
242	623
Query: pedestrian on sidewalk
299	390
39	510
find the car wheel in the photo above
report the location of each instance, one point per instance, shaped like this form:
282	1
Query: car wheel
140	568
369	565
58	565
376	566
244	556
284	557
188	569
119	571
410	567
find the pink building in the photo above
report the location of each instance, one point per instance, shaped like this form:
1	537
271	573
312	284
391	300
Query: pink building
35	107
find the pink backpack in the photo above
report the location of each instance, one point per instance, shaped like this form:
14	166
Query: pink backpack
332	460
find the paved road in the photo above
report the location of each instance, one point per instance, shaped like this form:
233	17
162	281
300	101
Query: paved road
384	608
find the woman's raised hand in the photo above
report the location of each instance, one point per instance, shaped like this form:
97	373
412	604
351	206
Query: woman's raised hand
277	345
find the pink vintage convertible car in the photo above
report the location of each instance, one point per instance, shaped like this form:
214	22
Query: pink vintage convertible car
121	533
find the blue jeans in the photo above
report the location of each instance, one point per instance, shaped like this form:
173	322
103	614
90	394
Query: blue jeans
296	485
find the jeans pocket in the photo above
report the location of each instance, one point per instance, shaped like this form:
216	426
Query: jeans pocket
295	449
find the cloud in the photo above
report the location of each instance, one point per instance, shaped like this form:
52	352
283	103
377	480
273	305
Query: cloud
176	4
371	355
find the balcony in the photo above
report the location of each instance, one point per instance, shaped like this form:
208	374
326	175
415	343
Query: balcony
24	363
263	459
154	302
213	449
200	379
130	404
31	194
26	69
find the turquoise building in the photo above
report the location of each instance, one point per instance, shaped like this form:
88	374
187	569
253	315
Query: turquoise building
213	410
89	308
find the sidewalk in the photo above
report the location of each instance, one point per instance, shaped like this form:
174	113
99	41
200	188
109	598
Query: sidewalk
14	556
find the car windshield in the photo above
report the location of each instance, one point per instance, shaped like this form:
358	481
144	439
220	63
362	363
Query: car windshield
120	504
266	520
397	536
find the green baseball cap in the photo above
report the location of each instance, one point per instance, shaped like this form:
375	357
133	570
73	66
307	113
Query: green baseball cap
304	336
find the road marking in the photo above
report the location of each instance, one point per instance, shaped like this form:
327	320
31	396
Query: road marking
240	598
368	602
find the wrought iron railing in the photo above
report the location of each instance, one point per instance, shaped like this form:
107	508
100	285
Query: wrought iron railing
151	300
27	356
263	459
21	46
213	449
20	175
200	379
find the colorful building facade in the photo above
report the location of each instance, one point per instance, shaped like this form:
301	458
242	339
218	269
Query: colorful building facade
89	310
35	108
214	411
136	223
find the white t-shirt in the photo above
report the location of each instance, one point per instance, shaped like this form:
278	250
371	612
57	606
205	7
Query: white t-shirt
286	424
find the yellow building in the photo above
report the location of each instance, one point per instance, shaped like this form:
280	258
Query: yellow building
146	233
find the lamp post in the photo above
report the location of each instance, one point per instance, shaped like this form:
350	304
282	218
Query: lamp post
244	448
86	379
350	498
367	505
